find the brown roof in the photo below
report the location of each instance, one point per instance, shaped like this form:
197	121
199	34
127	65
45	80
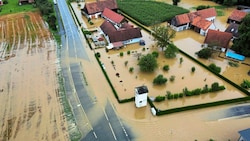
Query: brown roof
99	6
218	38
122	34
201	23
237	15
113	16
182	19
206	13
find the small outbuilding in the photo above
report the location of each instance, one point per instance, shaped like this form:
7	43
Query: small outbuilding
141	96
236	16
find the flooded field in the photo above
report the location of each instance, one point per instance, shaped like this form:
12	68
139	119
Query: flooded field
30	108
184	126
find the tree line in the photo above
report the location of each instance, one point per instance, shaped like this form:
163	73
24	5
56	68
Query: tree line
47	10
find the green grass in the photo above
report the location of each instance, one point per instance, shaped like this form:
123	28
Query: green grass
14	7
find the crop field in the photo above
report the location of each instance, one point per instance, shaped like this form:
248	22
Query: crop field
29	91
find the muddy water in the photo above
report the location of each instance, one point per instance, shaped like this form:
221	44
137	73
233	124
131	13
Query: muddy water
183	126
30	109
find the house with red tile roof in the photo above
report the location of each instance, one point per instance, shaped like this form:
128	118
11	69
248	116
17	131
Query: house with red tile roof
201	25
113	17
218	39
208	14
200	21
236	16
119	37
180	22
94	9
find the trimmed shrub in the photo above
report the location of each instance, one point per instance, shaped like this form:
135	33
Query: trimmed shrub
98	54
128	52
214	68
166	67
121	54
160	98
155	54
172	78
126	63
131	69
159	80
193	69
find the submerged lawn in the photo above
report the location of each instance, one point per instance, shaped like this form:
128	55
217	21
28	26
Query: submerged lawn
150	12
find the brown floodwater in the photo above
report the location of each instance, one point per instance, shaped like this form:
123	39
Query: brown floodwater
184	126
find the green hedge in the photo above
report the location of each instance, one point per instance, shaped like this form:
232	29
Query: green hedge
198	106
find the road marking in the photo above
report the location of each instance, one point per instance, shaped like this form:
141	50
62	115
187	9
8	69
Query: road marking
94	134
105	115
112	130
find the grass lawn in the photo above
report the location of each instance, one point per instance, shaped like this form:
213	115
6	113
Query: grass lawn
14	7
150	12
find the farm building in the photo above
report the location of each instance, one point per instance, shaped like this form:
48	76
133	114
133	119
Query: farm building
236	16
218	39
117	31
201	21
141	95
94	9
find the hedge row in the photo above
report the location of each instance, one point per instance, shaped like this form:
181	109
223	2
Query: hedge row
198	106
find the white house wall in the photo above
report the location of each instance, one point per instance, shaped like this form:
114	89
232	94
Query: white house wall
180	28
131	41
211	19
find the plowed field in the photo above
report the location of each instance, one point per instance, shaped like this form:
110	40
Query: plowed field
30	107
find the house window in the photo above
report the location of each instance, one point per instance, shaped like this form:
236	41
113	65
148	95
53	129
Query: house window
140	102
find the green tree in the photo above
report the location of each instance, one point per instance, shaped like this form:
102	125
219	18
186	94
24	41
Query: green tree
175	2
228	3
159	80
204	53
147	63
241	45
163	36
171	51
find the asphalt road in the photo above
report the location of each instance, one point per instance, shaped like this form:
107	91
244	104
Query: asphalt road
94	122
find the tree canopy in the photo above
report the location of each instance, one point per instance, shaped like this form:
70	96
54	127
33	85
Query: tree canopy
163	36
241	45
175	2
204	53
148	63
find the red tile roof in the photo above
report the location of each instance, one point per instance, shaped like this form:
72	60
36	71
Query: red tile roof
206	13
122	34
182	19
201	23
237	15
99	6
218	38
113	16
